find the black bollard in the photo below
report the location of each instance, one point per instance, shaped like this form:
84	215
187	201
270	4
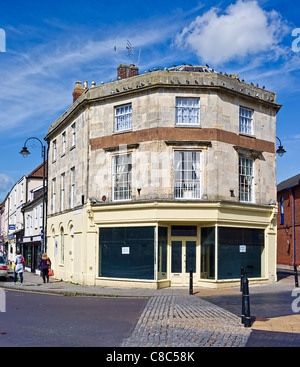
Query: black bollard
296	276
242	275
191	282
243	305
246	319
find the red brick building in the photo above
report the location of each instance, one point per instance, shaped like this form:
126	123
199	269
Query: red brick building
288	222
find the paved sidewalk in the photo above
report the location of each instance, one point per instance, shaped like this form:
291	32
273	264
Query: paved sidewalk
209	317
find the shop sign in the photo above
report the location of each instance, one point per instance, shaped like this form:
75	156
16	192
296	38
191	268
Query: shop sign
125	250
242	248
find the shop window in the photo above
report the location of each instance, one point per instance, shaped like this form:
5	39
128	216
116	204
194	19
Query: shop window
162	252
208	253
127	252
240	247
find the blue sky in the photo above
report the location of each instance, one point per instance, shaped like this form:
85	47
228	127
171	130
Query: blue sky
51	45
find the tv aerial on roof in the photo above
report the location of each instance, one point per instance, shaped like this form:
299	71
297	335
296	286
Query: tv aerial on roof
130	50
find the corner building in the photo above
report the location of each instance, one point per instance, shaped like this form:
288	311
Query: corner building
156	175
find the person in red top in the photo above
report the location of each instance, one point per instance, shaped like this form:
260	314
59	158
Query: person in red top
44	266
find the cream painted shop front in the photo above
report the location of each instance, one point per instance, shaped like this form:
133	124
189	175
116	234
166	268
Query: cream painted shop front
154	249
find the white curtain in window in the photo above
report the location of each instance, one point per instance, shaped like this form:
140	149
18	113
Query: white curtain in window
187	111
187	174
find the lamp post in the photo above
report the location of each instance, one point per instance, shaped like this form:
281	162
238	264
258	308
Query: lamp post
280	151
25	152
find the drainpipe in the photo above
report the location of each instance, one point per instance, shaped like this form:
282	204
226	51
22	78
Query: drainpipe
294	234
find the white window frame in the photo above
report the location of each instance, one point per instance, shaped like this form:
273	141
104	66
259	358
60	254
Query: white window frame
246	180
123	117
36	217
72	191
54	151
122	177
41	215
27	225
64	143
187	174
30	225
73	136
188	111
62	192
245	121
53	195
22	192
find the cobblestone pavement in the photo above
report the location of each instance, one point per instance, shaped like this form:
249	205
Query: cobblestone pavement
187	321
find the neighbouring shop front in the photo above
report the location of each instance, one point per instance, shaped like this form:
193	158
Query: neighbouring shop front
31	250
4	247
171	252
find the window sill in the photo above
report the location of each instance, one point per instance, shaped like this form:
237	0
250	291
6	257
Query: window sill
189	126
247	135
122	132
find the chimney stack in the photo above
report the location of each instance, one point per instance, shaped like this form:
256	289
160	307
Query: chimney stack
77	92
127	71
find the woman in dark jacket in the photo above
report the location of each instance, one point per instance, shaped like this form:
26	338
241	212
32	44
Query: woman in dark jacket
44	266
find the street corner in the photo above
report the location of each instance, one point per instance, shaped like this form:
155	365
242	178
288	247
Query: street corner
286	324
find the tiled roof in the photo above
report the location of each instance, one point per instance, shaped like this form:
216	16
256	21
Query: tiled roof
38	172
289	183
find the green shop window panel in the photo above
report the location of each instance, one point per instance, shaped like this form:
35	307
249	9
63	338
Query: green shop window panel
127	252
240	247
162	252
208	253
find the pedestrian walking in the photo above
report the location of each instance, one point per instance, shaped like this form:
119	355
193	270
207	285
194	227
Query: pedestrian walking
19	267
44	266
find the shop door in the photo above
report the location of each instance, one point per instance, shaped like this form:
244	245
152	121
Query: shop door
183	260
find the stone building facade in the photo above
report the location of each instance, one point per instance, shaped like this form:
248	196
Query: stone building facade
158	175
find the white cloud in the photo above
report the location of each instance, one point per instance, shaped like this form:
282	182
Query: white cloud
6	183
243	30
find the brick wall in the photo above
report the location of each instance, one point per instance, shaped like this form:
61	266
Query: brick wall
285	240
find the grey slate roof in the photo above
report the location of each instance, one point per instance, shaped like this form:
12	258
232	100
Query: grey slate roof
289	183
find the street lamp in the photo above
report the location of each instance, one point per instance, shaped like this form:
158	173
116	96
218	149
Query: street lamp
25	153
280	151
